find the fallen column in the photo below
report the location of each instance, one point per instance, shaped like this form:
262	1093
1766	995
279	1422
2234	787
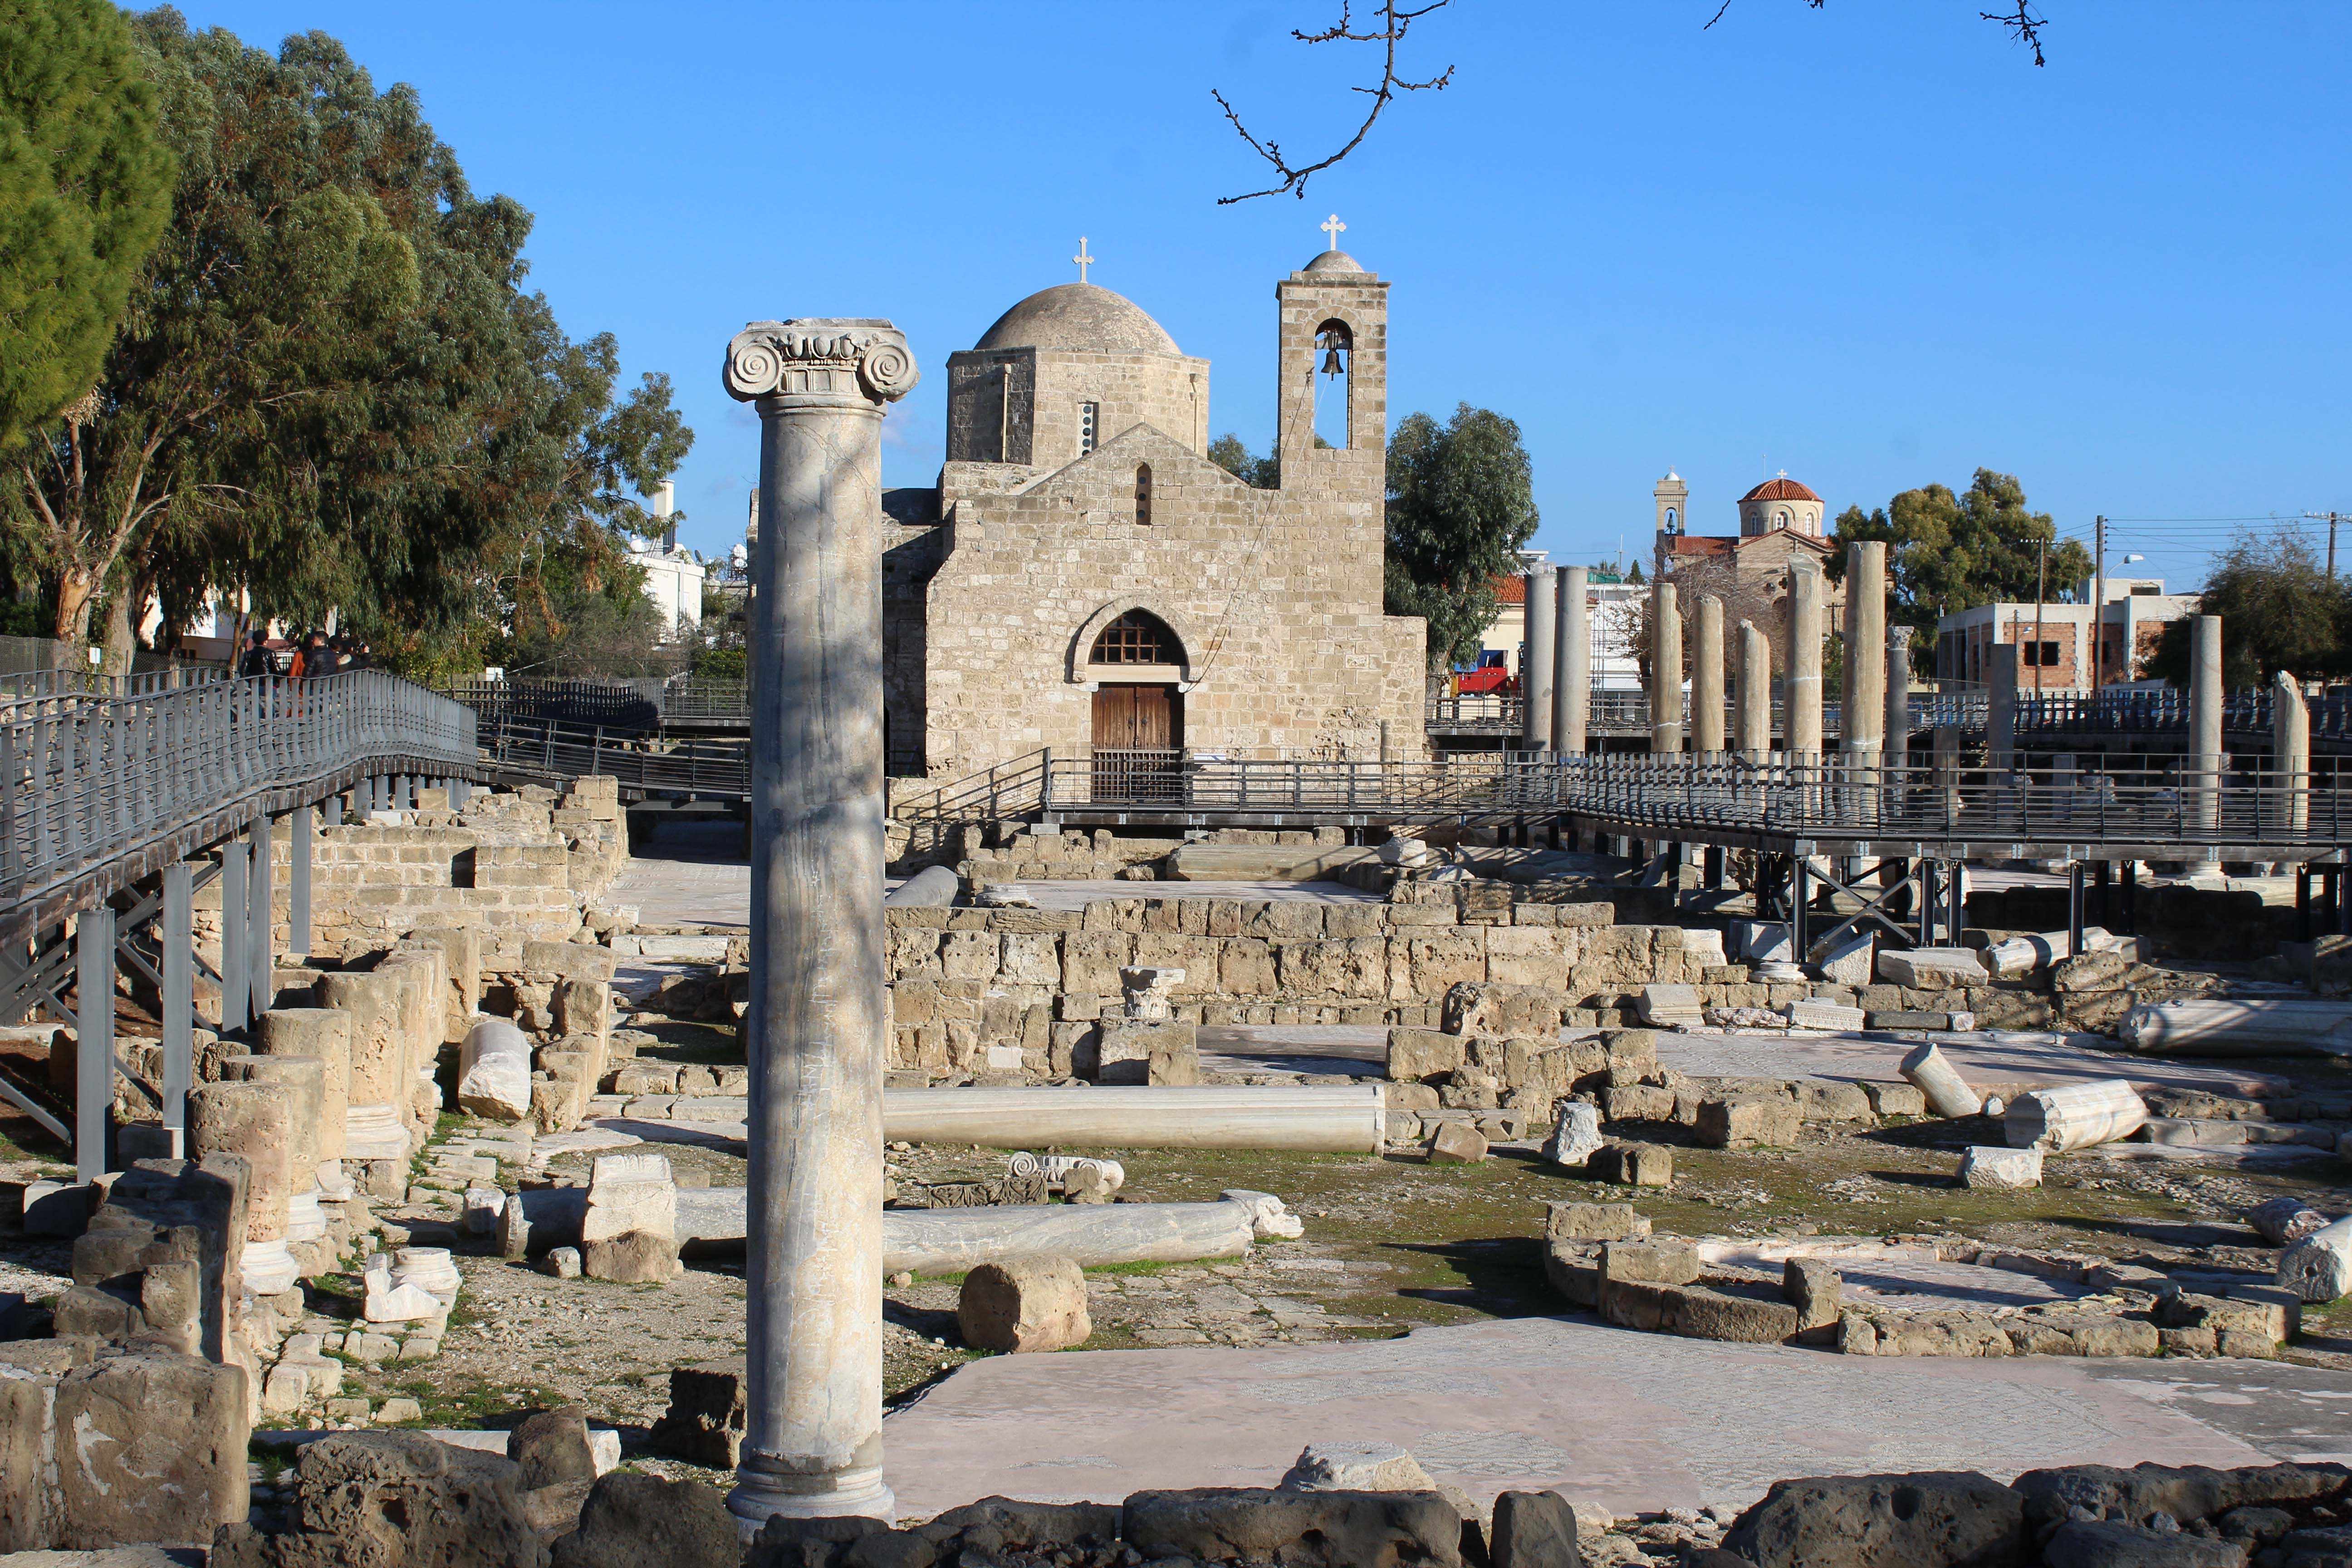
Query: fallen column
2015	956
2319	1267
1327	1120
1949	1094
494	1071
2213	1027
2075	1117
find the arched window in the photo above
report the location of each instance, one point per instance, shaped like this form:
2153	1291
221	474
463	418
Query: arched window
1780	518
1670	519
1334	379
1143	495
1138	636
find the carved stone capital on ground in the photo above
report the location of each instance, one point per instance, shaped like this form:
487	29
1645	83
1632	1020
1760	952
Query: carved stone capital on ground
826	358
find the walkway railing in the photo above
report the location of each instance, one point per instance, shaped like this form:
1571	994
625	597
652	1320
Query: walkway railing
1778	800
1614	711
89	778
646	764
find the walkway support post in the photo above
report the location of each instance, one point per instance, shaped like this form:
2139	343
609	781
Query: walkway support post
812	1436
1755	736
2291	751
1706	679
304	831
1665	671
257	915
2205	758
176	934
93	1039
1571	643
1802	700
1534	660
235	967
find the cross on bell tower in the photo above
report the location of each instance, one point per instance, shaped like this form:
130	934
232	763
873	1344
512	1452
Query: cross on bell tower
1332	228
1082	259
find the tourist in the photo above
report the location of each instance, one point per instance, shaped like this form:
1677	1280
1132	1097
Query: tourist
256	655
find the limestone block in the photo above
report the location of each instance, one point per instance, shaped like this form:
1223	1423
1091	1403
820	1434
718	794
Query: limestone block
1849	963
157	1451
2319	1267
324	1032
1575	1136
1024	1304
1590	1222
632	1192
1456	1143
1895	1100
1814	1289
1633	1164
2077	1116
1932	968
1947	1094
1661	1262
494	1071
251	1120
705	1421
584	1008
381	1069
1417	1055
1632	1055
1671	1006
1748	1121
1128	1046
1814	1013
2001	1168
633	1258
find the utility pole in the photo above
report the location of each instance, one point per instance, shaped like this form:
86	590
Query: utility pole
2333	517
2099	606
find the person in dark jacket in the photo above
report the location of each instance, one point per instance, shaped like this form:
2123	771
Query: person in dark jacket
255	660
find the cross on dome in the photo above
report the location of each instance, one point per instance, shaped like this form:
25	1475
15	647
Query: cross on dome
1332	228
1082	259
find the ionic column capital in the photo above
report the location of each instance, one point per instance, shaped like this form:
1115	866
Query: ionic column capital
829	360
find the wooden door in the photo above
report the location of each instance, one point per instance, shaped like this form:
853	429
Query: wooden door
1138	718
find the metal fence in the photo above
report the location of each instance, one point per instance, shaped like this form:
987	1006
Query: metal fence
590	703
1616	711
646	764
86	778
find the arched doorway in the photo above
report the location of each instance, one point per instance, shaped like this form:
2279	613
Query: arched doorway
1138	708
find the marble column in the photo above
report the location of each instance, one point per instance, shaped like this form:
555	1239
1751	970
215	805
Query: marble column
1534	660
1802	693
1898	733
1665	672
1707	678
1755	736
2205	758
1571	687
813	1433
1864	706
2000	705
2291	751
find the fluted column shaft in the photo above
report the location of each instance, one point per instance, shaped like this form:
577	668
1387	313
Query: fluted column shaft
813	1435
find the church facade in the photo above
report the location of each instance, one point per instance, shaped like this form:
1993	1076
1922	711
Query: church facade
1084	578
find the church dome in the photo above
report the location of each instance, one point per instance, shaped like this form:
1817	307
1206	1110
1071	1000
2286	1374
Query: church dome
1782	488
1335	261
1083	316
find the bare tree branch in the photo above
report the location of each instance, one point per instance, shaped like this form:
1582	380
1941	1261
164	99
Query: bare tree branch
1395	20
2023	25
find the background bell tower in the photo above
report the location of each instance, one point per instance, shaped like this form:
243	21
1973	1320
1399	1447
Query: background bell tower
1672	497
1333	306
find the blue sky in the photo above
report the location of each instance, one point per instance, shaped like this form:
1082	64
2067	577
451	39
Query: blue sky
1871	245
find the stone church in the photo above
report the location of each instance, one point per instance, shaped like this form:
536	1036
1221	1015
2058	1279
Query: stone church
1084	578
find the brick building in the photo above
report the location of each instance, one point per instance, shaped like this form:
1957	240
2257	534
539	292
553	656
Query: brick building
2058	659
1084	578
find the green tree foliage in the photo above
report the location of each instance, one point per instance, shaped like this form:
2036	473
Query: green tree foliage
1947	553
1461	503
330	390
2279	609
85	187
1231	453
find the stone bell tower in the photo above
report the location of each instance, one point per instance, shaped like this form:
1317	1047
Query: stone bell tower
1334	318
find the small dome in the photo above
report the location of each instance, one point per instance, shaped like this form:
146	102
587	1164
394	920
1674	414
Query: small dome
1782	488
1335	261
1078	316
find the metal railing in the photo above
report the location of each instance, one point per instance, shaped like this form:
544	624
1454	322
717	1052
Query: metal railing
1776	800
590	703
89	778
1616	711
707	700
646	764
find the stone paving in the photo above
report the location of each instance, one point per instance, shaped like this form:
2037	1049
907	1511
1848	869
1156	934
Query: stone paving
1630	1421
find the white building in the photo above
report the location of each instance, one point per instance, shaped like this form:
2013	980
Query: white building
2054	642
673	575
1612	613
